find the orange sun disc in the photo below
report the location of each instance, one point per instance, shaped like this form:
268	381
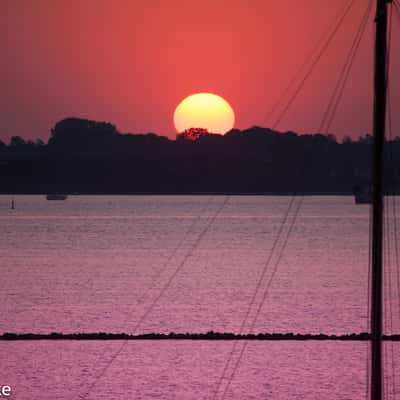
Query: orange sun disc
204	110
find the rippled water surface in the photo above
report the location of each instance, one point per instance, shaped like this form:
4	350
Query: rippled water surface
189	263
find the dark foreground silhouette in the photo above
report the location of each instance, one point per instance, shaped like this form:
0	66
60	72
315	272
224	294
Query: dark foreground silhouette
190	336
85	156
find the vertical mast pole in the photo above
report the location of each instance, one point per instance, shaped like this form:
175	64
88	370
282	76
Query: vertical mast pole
380	81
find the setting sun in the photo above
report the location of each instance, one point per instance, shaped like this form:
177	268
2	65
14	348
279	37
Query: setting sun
204	110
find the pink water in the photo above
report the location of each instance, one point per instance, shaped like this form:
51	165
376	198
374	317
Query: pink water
187	263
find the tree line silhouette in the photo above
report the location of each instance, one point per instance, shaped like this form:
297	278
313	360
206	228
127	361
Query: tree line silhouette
83	156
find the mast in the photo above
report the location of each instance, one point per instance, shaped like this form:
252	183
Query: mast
380	81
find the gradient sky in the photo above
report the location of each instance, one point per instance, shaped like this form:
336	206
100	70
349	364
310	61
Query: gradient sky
130	62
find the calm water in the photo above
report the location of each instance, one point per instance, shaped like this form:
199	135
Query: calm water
189	263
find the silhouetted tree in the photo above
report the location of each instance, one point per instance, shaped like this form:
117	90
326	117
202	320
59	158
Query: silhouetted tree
192	134
90	156
366	139
82	136
331	138
17	141
347	140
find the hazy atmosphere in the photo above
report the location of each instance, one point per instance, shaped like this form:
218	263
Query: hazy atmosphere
199	199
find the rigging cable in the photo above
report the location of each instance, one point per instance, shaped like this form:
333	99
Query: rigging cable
392	181
165	264
266	291
285	241
338	93
84	395
344	74
369	285
367	347
256	291
394	211
387	311
394	205
313	65
172	255
326	122
183	262
300	70
389	361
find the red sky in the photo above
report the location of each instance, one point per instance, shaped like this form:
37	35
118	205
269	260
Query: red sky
130	62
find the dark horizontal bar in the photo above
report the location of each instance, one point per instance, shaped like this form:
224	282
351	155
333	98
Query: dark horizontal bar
191	336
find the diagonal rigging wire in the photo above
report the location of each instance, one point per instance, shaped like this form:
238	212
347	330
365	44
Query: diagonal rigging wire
391	376
344	74
166	262
394	205
183	262
355	46
171	256
286	239
265	294
151	307
327	121
387	304
347	70
369	282
259	282
313	65
300	70
161	271
331	109
389	359
389	51
392	181
154	302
